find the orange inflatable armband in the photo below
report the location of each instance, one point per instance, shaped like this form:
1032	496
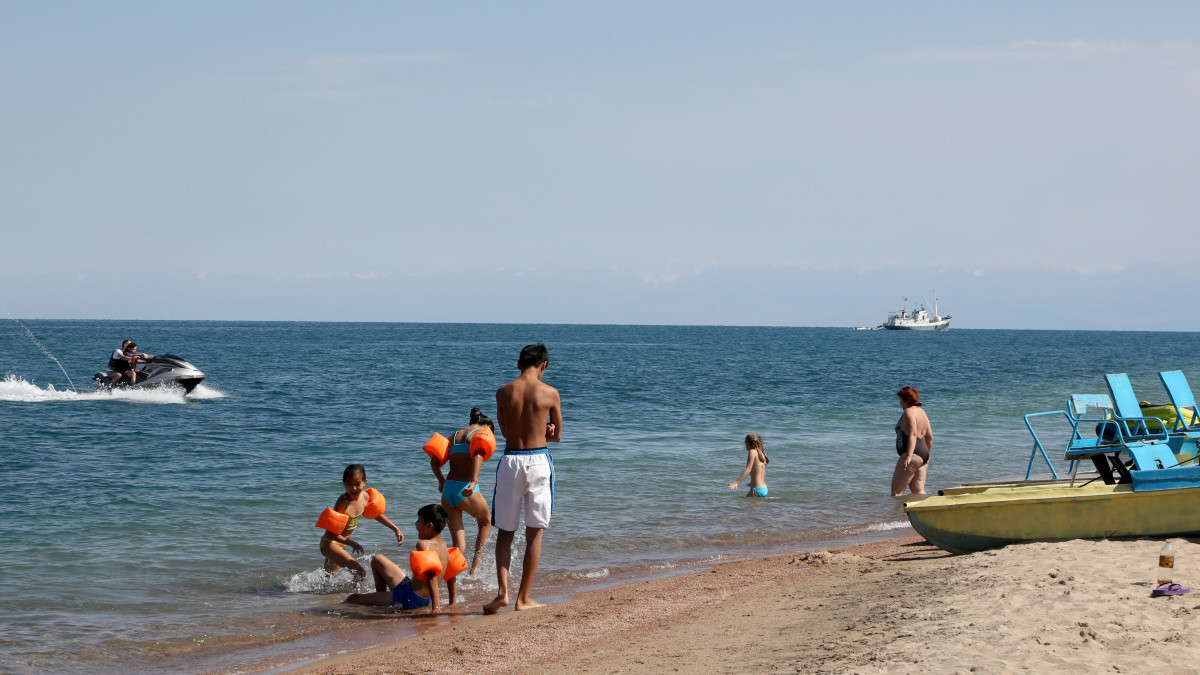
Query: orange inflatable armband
483	443
332	521
425	565
438	448
458	563
375	504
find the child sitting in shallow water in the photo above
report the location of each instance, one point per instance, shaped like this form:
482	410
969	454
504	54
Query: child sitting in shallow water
352	503
756	467
404	591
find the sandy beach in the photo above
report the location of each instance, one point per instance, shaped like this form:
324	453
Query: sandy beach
893	606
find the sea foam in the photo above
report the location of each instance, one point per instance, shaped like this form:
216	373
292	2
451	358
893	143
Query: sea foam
18	390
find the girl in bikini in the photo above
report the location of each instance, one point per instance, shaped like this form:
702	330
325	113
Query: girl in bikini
756	467
352	503
460	488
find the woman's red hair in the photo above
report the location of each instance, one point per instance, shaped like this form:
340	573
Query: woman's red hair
909	396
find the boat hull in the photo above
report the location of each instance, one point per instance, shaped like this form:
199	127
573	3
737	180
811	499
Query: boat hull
934	325
995	517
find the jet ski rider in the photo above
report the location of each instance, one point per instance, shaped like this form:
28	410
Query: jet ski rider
123	362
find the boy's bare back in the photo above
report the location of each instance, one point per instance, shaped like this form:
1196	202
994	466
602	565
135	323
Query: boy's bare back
522	408
435	544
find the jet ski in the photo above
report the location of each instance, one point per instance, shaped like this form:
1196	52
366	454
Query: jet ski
164	370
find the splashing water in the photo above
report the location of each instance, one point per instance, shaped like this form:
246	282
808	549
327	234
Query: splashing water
18	390
203	392
321	582
43	348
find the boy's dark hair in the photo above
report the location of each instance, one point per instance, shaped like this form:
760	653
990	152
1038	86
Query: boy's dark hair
352	470
533	355
433	514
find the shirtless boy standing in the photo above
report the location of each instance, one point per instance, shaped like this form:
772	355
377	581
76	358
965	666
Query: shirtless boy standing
526	472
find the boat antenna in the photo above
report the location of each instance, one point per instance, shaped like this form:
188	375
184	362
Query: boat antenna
43	348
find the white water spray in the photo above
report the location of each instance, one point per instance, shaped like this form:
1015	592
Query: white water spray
44	350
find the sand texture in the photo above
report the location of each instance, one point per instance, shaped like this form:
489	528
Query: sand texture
897	606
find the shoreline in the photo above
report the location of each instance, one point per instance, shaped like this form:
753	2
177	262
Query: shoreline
892	605
367	629
452	646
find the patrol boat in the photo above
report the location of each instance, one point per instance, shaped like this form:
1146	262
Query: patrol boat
918	318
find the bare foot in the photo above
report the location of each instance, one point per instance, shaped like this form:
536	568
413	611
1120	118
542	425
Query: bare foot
528	604
495	605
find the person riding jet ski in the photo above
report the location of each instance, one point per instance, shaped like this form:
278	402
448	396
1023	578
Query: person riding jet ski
124	362
161	370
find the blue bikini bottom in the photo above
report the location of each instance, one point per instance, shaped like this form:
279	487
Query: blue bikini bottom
452	491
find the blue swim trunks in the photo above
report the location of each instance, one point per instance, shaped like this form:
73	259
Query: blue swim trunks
404	595
452	491
761	492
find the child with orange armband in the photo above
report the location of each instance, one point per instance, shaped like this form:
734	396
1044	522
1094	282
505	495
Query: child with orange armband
429	563
340	521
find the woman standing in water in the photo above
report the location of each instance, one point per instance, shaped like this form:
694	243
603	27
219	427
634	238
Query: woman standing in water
460	489
756	467
914	439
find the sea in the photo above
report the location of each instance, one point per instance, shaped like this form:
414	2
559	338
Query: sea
149	531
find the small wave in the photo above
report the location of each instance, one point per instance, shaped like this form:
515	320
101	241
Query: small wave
18	390
588	574
884	527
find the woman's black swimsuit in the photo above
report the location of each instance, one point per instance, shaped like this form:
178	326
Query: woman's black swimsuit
902	445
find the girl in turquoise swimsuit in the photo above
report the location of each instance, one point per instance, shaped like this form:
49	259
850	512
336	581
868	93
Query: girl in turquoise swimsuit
460	488
756	467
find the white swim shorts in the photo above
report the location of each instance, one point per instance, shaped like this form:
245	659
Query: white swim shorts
524	476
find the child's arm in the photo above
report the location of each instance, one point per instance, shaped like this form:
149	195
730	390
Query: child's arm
745	472
354	545
437	471
474	485
433	596
452	588
383	520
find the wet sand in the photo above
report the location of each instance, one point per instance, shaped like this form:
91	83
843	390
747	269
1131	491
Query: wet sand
895	606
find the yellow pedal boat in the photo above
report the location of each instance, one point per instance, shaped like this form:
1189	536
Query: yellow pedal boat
991	517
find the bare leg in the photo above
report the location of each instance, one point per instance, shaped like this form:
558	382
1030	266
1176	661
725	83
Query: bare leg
377	571
387	576
454	519
917	484
533	554
503	559
337	557
477	506
901	476
378	599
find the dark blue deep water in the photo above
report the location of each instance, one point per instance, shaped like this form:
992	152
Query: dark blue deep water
147	525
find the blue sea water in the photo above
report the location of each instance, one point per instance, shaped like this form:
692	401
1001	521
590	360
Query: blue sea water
147	530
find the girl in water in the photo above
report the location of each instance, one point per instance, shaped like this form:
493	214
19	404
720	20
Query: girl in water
756	467
460	488
914	439
352	503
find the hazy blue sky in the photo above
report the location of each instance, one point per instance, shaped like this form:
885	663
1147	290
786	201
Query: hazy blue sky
755	163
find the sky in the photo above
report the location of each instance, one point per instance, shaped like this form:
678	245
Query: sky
807	164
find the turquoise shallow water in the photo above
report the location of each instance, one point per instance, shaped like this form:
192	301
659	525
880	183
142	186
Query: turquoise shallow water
153	526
